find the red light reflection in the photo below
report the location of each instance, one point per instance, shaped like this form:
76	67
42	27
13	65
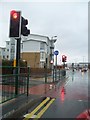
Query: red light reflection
62	94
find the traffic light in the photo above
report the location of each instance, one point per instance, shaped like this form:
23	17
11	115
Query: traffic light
24	30
63	58
15	19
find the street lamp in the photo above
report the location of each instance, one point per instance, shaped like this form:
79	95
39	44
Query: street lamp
53	40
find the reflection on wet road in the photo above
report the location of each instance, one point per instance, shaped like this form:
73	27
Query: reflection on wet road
71	97
76	87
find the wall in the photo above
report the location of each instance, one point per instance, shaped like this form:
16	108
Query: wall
32	58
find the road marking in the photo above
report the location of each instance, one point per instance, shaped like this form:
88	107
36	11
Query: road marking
44	109
66	83
36	109
34	116
80	100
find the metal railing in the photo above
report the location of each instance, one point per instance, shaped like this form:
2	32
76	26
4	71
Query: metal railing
56	75
12	84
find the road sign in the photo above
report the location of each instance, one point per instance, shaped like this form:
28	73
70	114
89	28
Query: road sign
56	52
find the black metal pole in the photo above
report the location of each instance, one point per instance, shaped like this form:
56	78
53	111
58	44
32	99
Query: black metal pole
28	81
17	64
56	69
46	71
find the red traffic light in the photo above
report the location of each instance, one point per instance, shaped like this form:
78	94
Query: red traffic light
63	56
14	14
15	25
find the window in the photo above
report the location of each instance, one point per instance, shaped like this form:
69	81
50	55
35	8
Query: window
8	50
12	50
42	56
42	46
7	56
3	57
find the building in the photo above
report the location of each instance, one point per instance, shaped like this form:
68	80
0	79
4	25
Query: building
2	52
37	50
8	52
10	49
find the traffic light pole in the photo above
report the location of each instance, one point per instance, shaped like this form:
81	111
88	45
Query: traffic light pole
64	68
17	64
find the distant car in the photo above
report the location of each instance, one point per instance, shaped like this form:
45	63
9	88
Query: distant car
83	69
67	68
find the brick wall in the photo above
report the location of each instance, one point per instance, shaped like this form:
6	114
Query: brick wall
32	58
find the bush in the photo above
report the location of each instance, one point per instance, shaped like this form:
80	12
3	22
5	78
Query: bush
10	63
7	62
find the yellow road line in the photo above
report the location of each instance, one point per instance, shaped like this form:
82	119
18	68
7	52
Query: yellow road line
36	109
44	109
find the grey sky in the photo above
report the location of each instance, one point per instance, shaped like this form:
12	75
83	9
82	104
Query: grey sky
66	20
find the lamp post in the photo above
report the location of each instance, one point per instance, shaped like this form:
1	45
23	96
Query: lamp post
53	40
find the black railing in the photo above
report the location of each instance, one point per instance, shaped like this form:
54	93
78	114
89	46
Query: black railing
9	84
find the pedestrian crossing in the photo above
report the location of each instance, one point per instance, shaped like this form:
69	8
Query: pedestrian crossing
40	109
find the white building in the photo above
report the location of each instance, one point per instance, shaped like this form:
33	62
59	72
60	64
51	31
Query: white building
2	52
37	50
10	49
8	52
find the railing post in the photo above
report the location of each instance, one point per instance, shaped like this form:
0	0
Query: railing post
53	74
28	74
59	74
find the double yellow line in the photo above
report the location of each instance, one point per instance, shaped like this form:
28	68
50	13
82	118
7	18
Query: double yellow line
30	115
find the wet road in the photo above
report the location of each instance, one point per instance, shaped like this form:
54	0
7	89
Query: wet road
68	99
72	98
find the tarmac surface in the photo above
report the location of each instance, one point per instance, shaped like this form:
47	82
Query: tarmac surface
17	106
71	98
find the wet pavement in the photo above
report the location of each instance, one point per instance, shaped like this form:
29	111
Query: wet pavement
72	98
71	95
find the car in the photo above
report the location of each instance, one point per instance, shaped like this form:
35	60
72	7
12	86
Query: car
83	69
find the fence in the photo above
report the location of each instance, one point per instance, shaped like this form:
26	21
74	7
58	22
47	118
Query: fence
47	75
56	75
12	84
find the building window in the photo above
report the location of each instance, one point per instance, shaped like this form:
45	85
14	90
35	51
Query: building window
42	46
7	56
42	56
22	46
3	57
8	43
8	50
12	50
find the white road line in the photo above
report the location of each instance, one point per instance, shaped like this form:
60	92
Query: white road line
66	82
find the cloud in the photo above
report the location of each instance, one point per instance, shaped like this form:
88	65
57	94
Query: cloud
67	20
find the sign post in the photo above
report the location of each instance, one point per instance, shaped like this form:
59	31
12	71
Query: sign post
56	53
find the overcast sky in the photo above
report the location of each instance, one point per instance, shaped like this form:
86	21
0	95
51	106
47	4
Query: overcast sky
66	20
